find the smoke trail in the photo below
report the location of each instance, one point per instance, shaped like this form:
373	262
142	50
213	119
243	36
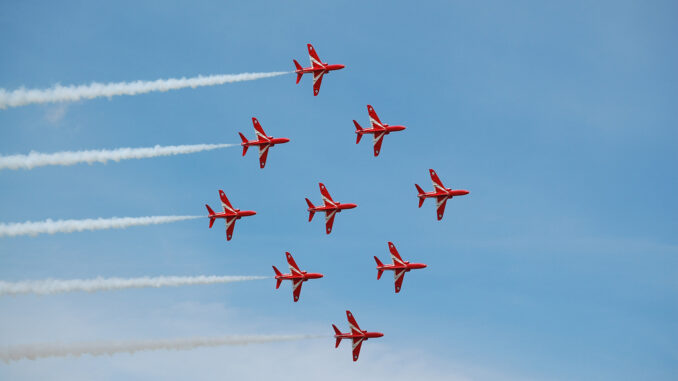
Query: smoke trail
98	348
37	159
58	93
69	226
54	286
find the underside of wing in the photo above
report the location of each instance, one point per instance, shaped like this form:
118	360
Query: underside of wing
230	225
326	195
441	201
225	203
398	277
313	56
437	184
329	220
294	269
395	256
263	154
317	81
355	328
378	139
259	130
374	119
296	289
357	344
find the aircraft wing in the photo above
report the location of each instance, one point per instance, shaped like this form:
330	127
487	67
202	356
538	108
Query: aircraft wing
317	81
263	154
374	119
357	344
398	276
437	184
230	225
395	256
225	203
378	139
294	269
313	56
296	289
440	206
352	323
259	131
326	195
329	220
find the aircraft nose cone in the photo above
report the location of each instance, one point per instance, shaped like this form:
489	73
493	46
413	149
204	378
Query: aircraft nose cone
284	140
339	67
351	206
466	192
379	334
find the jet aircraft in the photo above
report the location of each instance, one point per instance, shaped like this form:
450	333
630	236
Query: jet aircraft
379	130
440	193
230	214
399	267
331	208
318	68
263	141
356	335
297	276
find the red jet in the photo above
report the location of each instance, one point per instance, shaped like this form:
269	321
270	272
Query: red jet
318	68
440	193
263	141
297	276
356	334
378	129
331	208
230	214
399	267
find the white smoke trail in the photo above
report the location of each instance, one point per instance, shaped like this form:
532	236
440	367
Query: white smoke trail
54	286
98	348
37	159
69	226
58	93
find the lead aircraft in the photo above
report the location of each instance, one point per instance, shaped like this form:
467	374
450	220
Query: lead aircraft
356	335
263	141
379	130
399	267
440	193
230	214
318	68
297	276
331	208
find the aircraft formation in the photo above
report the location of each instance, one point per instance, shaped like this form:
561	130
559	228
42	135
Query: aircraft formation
331	208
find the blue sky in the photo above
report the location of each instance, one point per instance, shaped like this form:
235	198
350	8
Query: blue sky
560	119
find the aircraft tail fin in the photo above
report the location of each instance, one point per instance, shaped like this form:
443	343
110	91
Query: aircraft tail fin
299	68
337	332
211	213
311	212
379	264
358	131
244	145
421	193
